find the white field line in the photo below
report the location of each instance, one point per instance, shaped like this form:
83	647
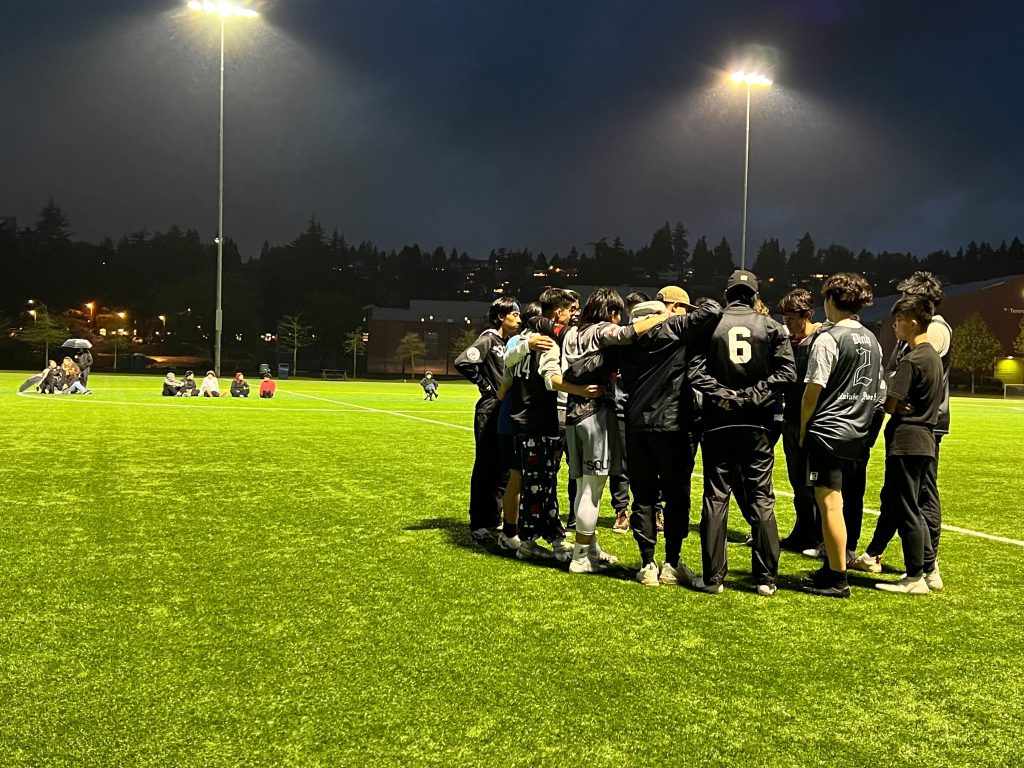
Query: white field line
389	413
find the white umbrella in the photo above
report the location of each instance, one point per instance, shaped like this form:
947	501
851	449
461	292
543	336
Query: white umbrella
76	344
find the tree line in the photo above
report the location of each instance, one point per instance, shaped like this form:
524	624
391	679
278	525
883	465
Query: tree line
164	280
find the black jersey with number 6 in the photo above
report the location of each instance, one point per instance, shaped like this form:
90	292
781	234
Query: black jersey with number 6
748	360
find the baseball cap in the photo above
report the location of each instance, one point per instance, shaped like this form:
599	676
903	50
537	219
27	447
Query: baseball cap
645	308
742	277
673	294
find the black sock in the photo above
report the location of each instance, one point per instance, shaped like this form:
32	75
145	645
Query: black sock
839	578
510	529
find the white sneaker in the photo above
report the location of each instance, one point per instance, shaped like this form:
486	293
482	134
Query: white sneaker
509	543
714	589
648	575
669	576
817	552
934	579
533	550
905	586
867	563
600	559
581	565
562	549
766	590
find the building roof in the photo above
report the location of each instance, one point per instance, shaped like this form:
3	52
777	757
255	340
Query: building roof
882	308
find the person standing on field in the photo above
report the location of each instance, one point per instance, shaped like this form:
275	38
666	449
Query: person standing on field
913	403
844	389
483	363
747	362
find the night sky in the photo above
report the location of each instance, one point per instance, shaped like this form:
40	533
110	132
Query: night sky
480	124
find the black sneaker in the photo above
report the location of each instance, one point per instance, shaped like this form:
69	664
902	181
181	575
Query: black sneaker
829	590
792	544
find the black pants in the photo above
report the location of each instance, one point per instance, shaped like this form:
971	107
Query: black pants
806	531
931	508
487	484
618	485
854	483
904	477
660	465
741	456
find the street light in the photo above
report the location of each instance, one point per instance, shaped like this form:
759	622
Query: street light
91	306
224	9
750	79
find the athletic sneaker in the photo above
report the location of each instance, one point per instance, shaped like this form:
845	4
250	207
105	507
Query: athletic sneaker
866	562
905	586
829	590
818	551
508	543
481	535
711	589
621	524
668	575
581	565
934	579
534	550
790	544
648	575
599	558
766	590
563	550
659	520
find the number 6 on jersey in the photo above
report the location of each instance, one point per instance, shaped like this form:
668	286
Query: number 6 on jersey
739	348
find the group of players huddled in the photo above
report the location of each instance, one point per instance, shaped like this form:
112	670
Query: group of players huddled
658	380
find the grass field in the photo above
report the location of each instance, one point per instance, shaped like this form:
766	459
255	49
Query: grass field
292	582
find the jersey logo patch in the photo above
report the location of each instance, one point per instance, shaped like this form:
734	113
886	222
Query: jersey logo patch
473	355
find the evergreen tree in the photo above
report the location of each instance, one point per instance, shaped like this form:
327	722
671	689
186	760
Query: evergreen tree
803	262
1018	344
681	247
722	260
53	224
703	262
975	347
659	255
45	329
770	261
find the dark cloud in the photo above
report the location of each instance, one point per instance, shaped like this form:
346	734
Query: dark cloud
483	124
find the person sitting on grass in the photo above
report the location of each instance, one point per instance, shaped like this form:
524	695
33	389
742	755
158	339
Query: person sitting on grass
73	379
429	385
210	386
239	386
188	385
50	377
172	387
267	387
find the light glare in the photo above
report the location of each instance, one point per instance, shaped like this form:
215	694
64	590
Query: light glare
223	8
751	78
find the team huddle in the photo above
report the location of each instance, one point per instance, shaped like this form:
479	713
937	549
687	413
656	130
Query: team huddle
633	388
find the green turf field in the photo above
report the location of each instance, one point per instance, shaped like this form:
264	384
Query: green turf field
292	583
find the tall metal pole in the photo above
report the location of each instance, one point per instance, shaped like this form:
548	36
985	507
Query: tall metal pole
746	177
219	317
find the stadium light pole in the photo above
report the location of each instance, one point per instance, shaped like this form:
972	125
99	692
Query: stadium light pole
224	9
750	79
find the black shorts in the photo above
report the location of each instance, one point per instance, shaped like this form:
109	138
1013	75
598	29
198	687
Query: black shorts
508	453
824	468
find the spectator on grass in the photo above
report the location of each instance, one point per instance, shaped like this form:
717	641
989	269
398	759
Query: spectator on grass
429	386
72	383
188	386
267	387
51	376
85	365
210	386
239	387
172	387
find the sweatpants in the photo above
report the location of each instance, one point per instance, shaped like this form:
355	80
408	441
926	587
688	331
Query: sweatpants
661	465
904	476
487	483
743	455
806	531
931	508
854	483
539	459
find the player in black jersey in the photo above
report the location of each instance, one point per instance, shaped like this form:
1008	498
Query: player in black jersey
483	363
747	362
797	310
913	402
843	391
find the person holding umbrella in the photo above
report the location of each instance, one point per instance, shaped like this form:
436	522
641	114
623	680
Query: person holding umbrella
85	365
